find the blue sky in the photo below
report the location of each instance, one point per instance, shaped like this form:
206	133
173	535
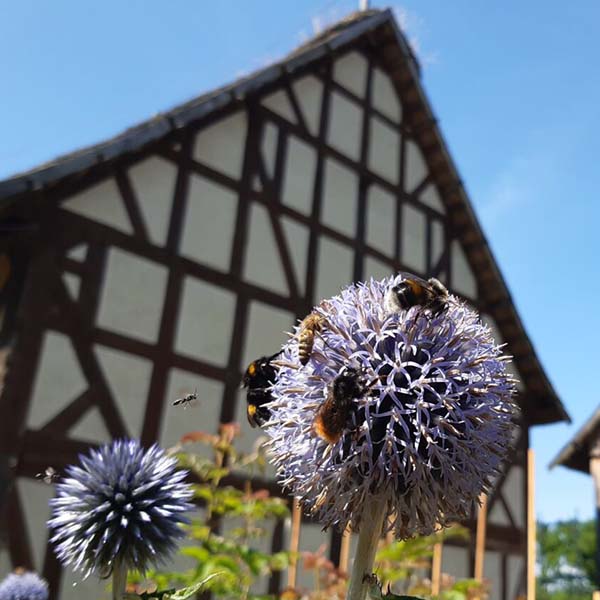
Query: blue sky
514	86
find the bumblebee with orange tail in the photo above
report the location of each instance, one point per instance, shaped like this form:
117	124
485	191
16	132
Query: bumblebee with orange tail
432	295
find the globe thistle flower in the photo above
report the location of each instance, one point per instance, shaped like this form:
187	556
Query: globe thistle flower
427	426
122	506
23	586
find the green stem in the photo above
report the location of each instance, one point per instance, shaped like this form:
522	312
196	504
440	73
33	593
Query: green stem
119	580
368	539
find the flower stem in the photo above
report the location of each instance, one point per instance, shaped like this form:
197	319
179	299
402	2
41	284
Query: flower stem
119	580
368	539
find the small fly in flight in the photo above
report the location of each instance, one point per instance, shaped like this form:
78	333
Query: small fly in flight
49	476
187	400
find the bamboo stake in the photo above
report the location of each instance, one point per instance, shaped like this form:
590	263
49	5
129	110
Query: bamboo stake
480	538
294	542
531	528
436	569
345	550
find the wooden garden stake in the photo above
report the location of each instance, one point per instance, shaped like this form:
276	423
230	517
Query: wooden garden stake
294	542
531	528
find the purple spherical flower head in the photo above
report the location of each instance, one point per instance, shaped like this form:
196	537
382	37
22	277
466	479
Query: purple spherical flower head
23	586
123	503
430	429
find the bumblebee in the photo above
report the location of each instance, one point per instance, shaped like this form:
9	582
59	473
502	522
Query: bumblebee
333	415
309	327
258	378
432	295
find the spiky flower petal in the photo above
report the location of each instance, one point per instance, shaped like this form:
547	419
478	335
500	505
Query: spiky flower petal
23	586
428	434
122	502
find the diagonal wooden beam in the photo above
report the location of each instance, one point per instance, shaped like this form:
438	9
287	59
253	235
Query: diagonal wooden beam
70	414
131	204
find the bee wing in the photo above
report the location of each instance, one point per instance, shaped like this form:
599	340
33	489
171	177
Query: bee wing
420	280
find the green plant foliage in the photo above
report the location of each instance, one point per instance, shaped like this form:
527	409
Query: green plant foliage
229	562
401	562
226	546
566	560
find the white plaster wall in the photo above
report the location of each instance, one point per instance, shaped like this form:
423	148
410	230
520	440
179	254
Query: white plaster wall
431	197
350	71
492	571
35	496
455	561
132	296
299	175
311	539
384	150
209	223
463	278
385	99
437	241
58	380
345	124
340	196
91	428
498	516
201	416
128	377
515	566
376	269
416	168
153	181
78	252
74	587
413	252
297	236
101	203
266	331
513	493
221	145
309	93
73	284
334	270
381	220
262	259
205	321
278	102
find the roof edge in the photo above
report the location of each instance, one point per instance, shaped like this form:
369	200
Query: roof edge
147	131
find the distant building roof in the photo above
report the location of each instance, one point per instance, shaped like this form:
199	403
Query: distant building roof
576	453
380	30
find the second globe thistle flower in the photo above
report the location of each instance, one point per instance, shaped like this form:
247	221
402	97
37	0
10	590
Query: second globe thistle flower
122	507
429	419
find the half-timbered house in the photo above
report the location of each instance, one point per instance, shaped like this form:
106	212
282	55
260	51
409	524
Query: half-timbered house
165	259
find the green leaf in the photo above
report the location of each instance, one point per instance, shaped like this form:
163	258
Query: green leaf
188	592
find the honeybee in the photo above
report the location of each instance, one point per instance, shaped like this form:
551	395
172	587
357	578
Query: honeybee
432	295
187	399
49	476
258	378
309	327
333	415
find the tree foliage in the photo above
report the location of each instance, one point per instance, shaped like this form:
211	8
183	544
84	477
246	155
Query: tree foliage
566	560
